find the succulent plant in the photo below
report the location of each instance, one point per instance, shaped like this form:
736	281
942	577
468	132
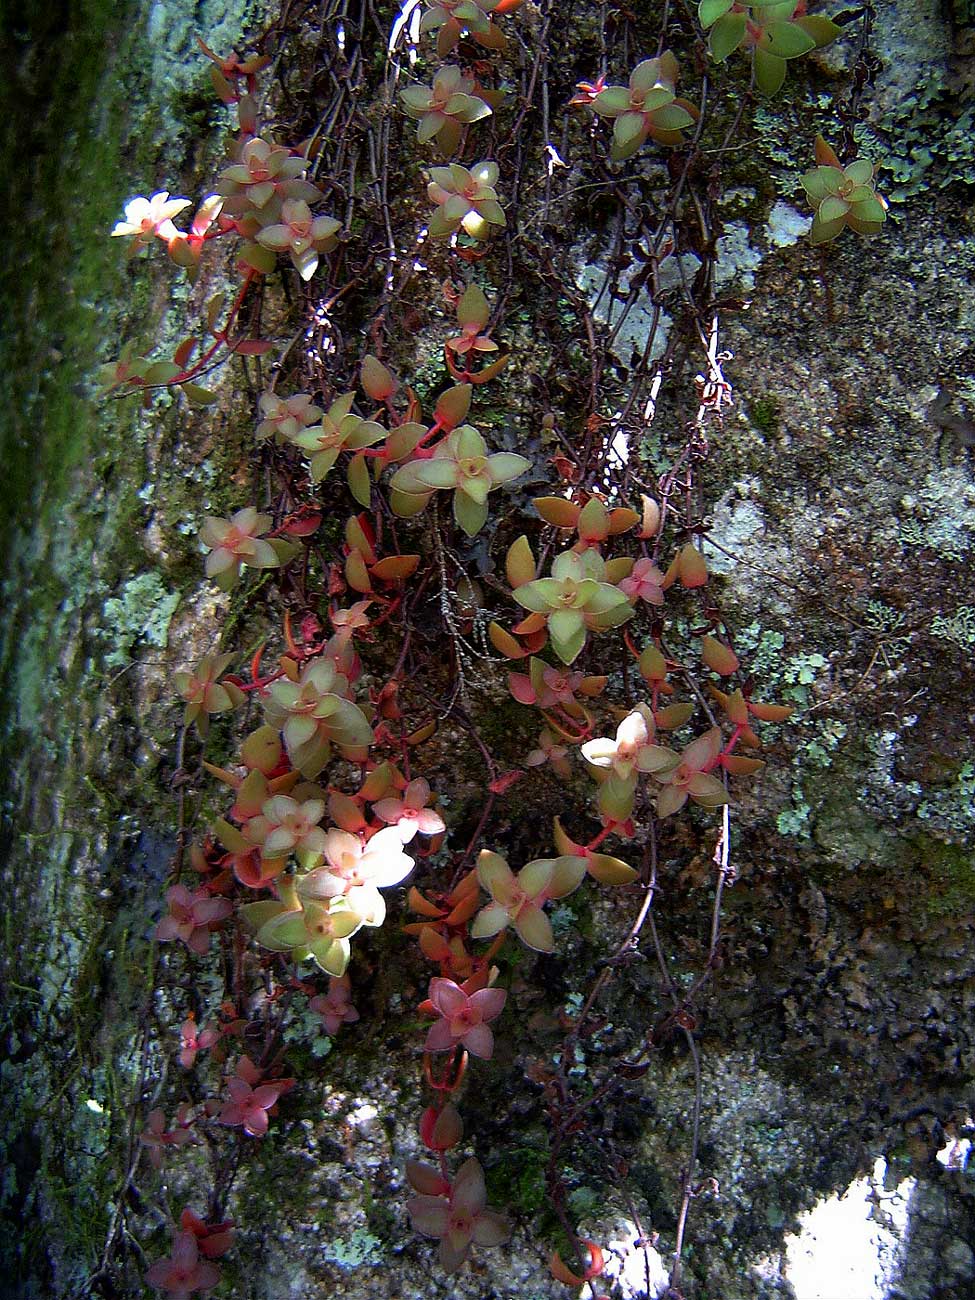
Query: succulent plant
573	600
466	200
300	235
313	712
647	108
842	196
774	30
461	462
339	430
445	108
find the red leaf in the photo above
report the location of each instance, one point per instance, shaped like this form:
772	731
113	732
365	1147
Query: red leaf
184	352
303	527
252	347
505	782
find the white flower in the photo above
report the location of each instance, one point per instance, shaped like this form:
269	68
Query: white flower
632	748
147	219
357	871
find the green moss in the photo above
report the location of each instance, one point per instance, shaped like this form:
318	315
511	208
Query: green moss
518	1181
948	871
764	412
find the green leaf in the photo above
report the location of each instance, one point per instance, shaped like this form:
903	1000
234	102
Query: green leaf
628	129
859	172
727	34
568	633
160	372
470	514
671	118
402	440
823	231
505	466
197	396
610	871
870	209
822	30
453	405
612	101
473	309
788	40
833	208
709	11
769	72
360	484
258	258
439	472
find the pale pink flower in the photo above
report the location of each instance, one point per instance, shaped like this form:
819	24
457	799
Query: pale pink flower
183	1272
358	870
191	917
237	541
335	1007
461	1220
409	813
249	1105
212	1239
156	1138
463	1018
550	751
690	777
293	826
301	235
286	416
519	900
194	1041
644	583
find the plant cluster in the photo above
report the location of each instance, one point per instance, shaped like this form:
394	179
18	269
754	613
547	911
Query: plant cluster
328	801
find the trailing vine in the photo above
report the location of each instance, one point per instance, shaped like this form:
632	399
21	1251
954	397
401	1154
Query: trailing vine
399	553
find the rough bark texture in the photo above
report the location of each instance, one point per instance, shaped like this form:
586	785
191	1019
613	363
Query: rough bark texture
842	509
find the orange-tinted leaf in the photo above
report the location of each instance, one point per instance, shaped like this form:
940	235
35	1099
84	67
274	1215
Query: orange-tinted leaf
395	568
739	765
491	371
564	842
465	909
377	382
693	570
421	734
674	715
519	563
621	519
769	712
184	352
252	347
502	783
557	511
825	156
530	624
304	527
453	405
421	905
356	573
433	945
719	657
610	871
593	521
504	642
